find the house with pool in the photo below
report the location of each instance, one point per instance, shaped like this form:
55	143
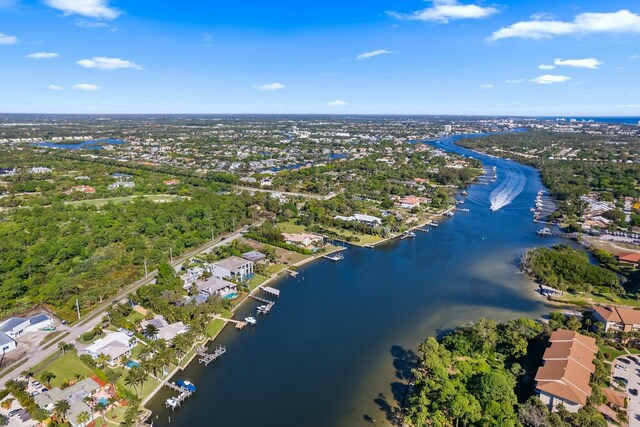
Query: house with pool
214	286
116	346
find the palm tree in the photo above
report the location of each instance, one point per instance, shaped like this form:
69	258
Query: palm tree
83	418
65	346
61	408
102	360
46	377
112	377
151	331
112	404
137	377
102	408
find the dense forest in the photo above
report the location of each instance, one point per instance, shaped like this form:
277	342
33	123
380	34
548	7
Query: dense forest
53	255
476	376
565	268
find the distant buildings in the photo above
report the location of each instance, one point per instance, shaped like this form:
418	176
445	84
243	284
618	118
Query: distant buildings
618	318
411	202
121	184
39	170
447	128
565	374
81	189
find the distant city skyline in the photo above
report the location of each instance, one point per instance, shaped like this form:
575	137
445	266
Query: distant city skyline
440	57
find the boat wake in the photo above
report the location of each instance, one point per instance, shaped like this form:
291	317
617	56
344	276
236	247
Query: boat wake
510	187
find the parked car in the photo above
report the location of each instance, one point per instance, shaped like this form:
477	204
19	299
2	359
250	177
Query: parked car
621	367
621	380
35	393
44	389
14	412
625	361
633	358
633	391
36	384
49	328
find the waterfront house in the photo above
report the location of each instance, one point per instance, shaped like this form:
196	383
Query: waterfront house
629	257
234	267
566	370
116	345
74	394
165	330
370	220
304	240
255	257
411	202
16	326
618	318
215	286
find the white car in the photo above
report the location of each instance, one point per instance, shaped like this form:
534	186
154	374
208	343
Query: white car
621	367
36	384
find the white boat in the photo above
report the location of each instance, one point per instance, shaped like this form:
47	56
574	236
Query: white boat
171	402
262	307
250	320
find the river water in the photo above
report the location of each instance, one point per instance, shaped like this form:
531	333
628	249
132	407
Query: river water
337	345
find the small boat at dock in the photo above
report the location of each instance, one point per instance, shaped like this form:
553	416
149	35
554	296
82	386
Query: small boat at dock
186	385
250	320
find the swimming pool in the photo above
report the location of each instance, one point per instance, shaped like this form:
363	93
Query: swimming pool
132	363
232	295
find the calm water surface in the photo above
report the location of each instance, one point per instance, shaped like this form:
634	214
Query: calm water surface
333	351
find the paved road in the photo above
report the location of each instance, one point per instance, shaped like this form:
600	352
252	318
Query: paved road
91	319
631	374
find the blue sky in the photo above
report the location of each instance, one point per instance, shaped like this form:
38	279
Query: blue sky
506	57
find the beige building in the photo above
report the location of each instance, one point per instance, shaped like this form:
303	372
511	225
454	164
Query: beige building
566	370
618	318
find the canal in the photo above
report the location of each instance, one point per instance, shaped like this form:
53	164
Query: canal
336	347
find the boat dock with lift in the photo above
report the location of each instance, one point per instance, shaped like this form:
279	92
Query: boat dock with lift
207	358
334	257
185	388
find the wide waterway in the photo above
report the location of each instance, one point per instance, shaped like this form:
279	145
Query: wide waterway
334	349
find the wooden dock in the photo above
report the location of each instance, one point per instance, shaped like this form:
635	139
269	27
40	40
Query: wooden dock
271	291
207	358
292	273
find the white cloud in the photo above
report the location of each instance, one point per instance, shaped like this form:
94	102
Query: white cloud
621	21
42	55
546	67
337	103
104	63
548	79
83	23
97	9
87	87
272	86
487	86
514	81
7	39
443	11
591	63
634	57
373	53
55	88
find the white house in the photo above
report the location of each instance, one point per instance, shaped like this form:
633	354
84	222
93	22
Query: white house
74	394
166	331
6	343
116	345
16	326
233	268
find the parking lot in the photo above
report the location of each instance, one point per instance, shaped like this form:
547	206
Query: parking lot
627	369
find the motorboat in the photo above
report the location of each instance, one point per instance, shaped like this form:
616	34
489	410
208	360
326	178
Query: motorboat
250	320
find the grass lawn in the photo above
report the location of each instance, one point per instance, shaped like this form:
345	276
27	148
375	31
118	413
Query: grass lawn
135	352
64	367
147	388
275	268
614	352
290	227
586	298
154	197
256	281
364	239
214	327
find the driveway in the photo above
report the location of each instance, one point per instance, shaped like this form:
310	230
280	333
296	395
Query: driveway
632	375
